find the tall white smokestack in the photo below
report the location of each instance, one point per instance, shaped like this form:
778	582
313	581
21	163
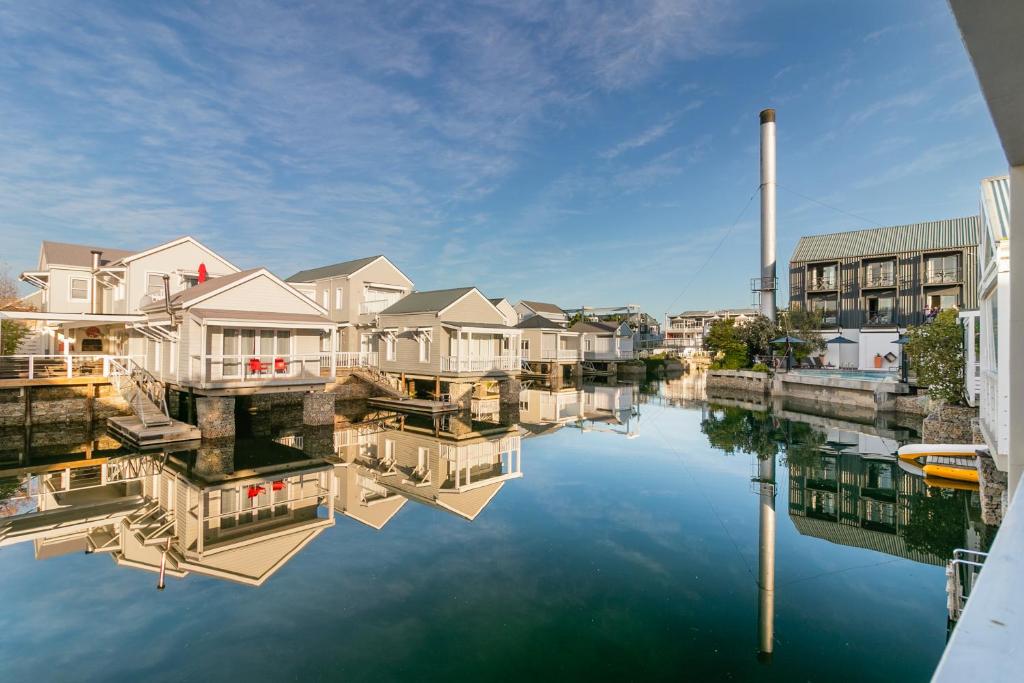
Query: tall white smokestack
768	276
766	561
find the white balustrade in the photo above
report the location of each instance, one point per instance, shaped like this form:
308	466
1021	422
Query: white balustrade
471	364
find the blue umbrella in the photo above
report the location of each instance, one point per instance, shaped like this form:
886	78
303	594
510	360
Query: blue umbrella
787	340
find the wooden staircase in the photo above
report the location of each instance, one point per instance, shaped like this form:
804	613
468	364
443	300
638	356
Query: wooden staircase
145	395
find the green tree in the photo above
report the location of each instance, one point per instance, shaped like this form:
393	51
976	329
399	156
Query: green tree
806	326
936	353
724	344
757	334
11	331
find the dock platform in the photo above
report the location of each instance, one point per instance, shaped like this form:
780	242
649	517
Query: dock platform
419	406
132	431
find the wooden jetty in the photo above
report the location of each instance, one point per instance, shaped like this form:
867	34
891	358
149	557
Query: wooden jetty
419	406
132	430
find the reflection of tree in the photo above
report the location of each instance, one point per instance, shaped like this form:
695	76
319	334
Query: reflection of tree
10	491
937	522
733	429
804	444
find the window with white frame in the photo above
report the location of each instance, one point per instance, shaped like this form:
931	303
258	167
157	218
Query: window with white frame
155	285
326	298
524	345
389	347
339	298
424	342
79	289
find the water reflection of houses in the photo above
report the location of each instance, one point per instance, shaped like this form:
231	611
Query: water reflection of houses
237	512
856	495
453	463
610	408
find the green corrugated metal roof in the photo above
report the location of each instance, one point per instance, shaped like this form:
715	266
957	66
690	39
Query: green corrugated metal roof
427	302
995	206
946	234
335	270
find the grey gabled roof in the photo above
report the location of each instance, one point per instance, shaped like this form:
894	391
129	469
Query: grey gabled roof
931	235
427	302
65	254
539	322
335	270
540	307
213	284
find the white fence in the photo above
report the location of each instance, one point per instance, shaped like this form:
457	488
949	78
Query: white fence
254	367
41	366
497	363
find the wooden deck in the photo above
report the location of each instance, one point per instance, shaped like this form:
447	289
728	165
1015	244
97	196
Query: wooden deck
420	406
131	430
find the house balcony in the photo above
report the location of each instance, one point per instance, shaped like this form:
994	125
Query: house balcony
561	355
994	414
609	355
473	364
349	359
883	280
375	306
947	276
253	370
886	317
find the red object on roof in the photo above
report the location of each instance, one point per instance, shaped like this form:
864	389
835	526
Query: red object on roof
203	275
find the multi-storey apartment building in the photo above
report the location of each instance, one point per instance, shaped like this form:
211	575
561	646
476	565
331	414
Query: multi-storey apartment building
685	331
869	285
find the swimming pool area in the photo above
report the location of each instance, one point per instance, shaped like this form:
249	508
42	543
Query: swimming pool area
870	375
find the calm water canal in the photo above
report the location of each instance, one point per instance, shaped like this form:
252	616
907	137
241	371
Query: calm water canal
628	549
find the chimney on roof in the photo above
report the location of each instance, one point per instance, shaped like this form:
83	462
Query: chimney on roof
96	253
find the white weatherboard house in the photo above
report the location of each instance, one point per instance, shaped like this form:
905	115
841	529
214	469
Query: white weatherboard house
994	300
354	293
447	335
235	334
528	309
507	310
605	341
87	295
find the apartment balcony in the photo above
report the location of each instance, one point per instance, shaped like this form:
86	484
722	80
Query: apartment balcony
881	318
822	284
882	280
948	276
252	370
472	364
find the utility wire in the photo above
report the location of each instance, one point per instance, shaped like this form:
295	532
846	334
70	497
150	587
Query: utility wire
870	222
715	250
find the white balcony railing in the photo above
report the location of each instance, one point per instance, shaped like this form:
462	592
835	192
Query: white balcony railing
972	382
994	411
40	366
561	354
497	363
254	367
375	306
356	359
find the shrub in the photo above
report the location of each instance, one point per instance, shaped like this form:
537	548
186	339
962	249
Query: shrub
760	367
723	342
936	353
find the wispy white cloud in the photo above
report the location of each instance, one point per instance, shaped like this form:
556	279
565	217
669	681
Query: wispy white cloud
643	139
929	160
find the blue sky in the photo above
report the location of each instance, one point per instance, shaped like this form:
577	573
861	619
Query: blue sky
578	152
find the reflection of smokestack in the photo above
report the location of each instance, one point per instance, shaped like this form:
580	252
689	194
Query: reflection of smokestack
768	282
766	561
96	253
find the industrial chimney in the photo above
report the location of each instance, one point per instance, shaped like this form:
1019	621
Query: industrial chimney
768	283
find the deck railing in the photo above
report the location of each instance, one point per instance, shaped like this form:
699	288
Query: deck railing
561	354
497	363
52	366
821	284
349	359
255	367
941	276
879	279
994	411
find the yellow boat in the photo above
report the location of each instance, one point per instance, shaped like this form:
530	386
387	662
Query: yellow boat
955	462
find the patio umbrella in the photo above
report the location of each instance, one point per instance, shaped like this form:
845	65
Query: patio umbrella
787	340
840	339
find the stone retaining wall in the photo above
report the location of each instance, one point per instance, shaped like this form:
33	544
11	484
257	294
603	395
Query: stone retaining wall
912	405
215	416
992	490
318	408
739	380
61	404
949	424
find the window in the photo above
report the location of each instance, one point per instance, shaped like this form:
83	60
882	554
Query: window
827	306
229	349
424	342
79	289
941	269
881	309
822	277
325	299
524	345
155	285
879	274
189	281
339	298
389	347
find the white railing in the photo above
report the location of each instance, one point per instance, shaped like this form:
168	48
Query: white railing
560	354
485	406
356	359
972	382
994	410
255	367
47	366
375	306
457	364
